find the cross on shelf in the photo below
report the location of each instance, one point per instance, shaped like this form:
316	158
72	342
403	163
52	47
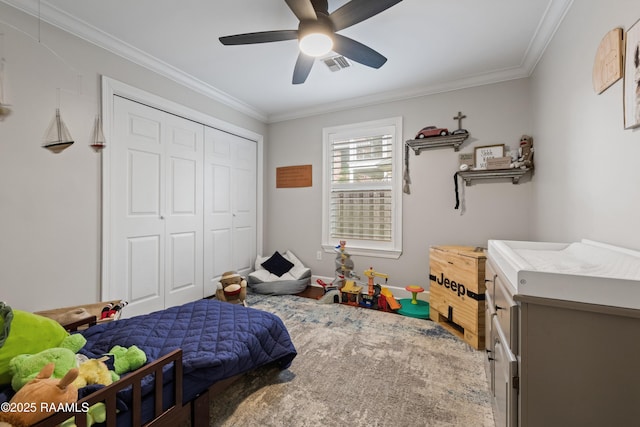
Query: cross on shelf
459	118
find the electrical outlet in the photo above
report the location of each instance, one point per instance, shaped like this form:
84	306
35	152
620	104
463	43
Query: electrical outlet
319	255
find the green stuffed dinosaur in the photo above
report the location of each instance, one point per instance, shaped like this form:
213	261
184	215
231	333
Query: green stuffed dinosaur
127	359
25	367
22	332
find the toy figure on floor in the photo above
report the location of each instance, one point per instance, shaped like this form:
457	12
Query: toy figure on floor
232	287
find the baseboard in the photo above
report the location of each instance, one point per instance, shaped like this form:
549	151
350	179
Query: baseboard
398	292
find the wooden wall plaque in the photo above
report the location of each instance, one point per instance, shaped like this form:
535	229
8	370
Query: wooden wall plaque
607	66
293	176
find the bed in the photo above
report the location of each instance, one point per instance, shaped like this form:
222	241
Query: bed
193	351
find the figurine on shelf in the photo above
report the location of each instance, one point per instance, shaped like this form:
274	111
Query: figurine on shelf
525	153
430	131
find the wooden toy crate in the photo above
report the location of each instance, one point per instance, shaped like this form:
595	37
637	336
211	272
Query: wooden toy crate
93	309
456	293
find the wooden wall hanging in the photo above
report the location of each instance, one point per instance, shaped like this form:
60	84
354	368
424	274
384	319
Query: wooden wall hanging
293	176
607	66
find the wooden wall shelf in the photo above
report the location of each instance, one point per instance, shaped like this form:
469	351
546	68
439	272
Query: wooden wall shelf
437	141
514	174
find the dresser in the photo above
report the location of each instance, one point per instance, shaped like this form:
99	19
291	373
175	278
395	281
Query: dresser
563	333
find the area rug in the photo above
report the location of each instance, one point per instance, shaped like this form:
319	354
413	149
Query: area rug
359	367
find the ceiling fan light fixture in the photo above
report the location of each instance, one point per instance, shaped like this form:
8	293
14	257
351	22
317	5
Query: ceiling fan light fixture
316	44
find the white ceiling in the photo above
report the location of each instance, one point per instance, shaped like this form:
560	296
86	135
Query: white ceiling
431	46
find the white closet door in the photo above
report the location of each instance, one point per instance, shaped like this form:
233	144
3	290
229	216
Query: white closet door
156	208
230	205
137	204
244	187
183	216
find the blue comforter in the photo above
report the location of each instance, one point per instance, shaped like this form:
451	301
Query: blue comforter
218	340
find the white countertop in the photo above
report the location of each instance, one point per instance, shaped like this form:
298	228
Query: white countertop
586	271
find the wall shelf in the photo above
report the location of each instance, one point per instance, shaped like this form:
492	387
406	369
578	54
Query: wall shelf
437	141
514	174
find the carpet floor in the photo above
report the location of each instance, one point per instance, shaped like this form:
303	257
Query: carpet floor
358	367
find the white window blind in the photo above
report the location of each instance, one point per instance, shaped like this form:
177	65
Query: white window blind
362	187
361	181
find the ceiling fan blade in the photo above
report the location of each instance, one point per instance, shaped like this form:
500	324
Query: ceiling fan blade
260	37
357	11
303	9
358	52
303	68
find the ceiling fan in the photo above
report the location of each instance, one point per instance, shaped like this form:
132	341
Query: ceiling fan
317	33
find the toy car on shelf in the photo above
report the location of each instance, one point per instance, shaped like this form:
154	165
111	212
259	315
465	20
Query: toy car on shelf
459	132
430	131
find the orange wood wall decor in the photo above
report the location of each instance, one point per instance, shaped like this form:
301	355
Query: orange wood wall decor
293	176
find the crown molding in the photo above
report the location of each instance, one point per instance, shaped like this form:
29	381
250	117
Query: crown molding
547	27
400	95
53	16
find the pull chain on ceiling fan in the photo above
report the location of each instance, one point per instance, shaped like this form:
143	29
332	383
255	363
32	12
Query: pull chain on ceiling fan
317	33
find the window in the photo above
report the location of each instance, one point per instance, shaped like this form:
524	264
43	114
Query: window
362	187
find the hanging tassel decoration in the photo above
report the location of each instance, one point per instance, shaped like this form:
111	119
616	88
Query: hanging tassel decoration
406	177
455	183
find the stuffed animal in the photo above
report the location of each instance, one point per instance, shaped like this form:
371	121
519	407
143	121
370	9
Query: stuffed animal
96	414
94	371
525	153
127	359
22	332
42	395
232	287
25	367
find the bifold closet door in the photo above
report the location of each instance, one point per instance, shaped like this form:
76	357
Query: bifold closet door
230	216
156	213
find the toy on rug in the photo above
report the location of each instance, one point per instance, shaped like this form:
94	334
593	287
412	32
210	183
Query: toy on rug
25	367
42	396
232	287
344	266
127	359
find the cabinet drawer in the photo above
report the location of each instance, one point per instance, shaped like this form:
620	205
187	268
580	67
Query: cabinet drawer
489	314
506	380
507	313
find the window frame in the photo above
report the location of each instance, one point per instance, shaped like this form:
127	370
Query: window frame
393	126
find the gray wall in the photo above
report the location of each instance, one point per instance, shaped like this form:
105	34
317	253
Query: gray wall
587	182
496	114
50	203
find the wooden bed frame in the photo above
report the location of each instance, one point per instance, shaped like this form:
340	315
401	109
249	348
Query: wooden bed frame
197	410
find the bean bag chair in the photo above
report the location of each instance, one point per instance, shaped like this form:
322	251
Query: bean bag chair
279	274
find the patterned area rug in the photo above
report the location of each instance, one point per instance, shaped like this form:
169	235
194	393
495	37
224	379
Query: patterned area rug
359	367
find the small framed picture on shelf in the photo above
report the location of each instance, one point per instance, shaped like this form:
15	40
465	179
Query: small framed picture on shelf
481	154
632	77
